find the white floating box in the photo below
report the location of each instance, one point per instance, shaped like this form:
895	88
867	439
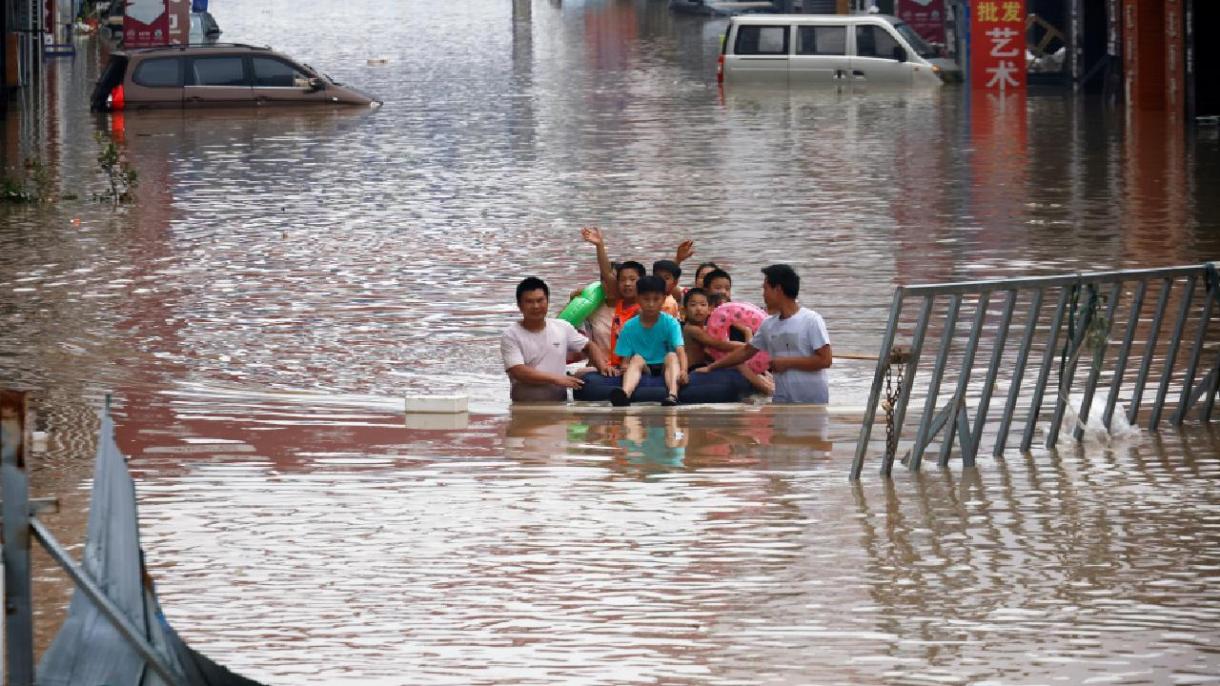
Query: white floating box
435	421
437	404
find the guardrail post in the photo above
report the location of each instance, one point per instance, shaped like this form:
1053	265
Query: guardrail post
19	616
1188	383
1018	375
1120	368
925	422
883	360
908	377
1067	370
1048	357
957	424
993	369
1099	356
1154	333
1171	354
1211	393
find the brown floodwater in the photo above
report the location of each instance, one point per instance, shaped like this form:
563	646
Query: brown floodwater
285	278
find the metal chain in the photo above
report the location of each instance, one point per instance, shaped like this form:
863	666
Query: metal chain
892	391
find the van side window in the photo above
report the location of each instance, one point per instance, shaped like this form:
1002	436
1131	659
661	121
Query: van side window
219	71
273	73
162	72
821	40
761	40
874	41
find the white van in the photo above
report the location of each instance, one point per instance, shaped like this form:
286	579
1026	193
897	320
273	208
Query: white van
829	49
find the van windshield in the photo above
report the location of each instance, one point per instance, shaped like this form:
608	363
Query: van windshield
916	42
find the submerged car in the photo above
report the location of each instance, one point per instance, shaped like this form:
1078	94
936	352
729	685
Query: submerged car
222	75
800	50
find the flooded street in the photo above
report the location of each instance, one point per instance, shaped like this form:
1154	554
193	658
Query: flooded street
284	278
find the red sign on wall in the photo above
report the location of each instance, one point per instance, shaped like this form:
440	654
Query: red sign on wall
156	22
927	17
997	45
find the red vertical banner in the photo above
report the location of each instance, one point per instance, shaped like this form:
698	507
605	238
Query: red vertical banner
997	45
927	17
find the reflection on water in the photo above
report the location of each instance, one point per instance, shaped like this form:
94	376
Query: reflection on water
689	547
288	276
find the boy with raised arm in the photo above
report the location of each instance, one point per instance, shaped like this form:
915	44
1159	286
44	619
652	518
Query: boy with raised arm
619	284
651	342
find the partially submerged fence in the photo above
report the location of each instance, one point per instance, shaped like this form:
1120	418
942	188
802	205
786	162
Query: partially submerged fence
1099	318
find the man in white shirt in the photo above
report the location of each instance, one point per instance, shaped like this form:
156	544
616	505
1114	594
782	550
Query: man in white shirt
794	337
536	348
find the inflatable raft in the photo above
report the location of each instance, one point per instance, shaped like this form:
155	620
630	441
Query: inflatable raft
719	386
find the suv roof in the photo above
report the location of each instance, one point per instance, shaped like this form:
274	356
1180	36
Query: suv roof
195	48
814	18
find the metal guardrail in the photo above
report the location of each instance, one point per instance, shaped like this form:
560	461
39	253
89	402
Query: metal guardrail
20	525
1081	320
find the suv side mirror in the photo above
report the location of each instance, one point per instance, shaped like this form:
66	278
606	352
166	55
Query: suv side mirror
316	84
900	53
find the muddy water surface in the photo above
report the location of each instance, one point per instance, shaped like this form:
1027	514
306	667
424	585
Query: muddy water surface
287	276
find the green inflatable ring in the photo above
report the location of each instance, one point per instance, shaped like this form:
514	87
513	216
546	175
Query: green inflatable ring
583	305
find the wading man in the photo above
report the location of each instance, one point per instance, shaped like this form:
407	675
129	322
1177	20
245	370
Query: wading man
536	348
794	337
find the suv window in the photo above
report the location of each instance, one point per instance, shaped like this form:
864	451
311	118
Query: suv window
162	72
874	41
821	40
761	40
219	71
272	73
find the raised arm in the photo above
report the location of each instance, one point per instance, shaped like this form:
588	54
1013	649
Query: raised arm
592	234
685	249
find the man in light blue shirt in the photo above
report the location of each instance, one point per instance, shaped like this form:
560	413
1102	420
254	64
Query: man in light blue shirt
794	337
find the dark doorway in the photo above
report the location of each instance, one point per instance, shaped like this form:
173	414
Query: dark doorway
1207	59
1048	40
1094	70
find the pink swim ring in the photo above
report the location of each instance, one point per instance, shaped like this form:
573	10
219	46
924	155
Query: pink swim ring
746	314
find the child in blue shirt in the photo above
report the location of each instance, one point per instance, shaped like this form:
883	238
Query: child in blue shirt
651	341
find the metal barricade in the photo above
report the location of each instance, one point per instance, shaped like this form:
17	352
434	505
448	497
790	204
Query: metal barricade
1064	319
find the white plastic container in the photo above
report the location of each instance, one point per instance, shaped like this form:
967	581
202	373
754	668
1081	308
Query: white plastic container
437	404
438	422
